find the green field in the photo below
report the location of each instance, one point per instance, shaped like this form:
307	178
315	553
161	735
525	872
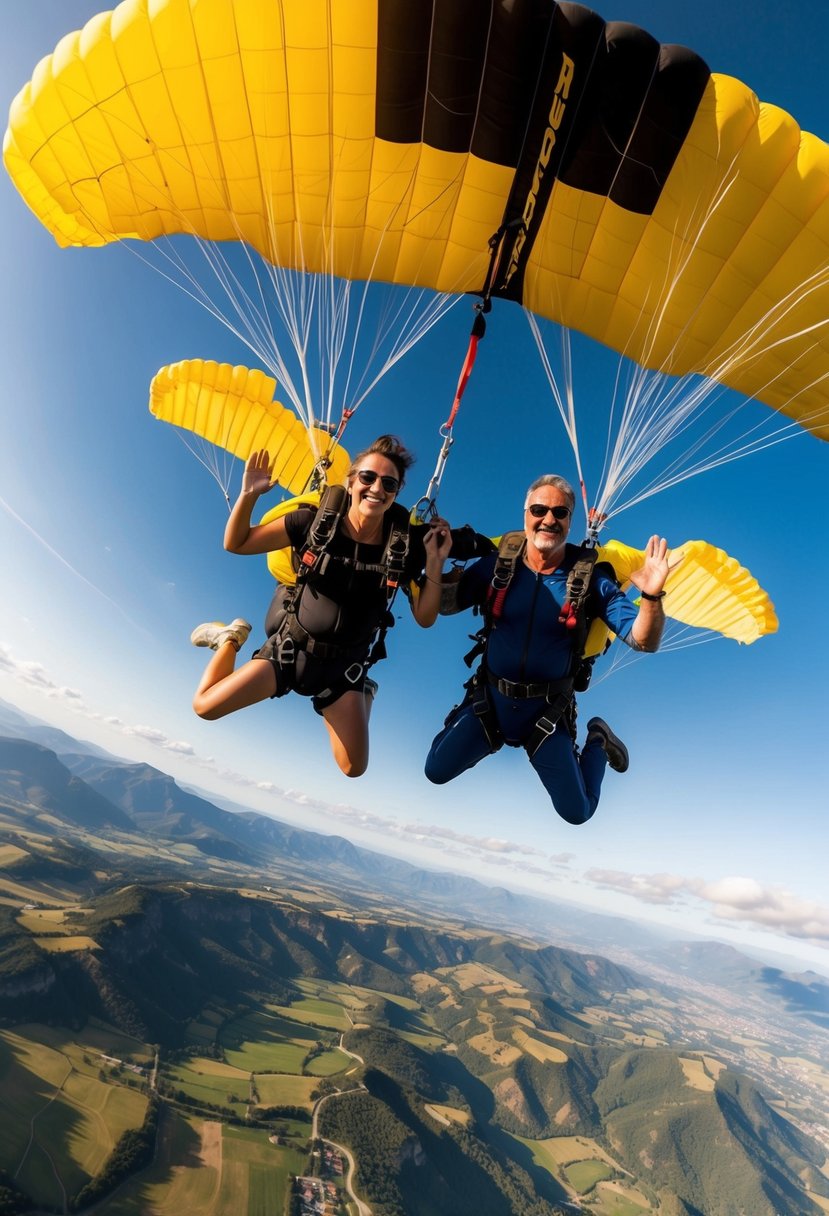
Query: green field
60	1122
179	1179
275	1090
208	1080
97	1036
296	1129
423	1039
207	1169
265	1042
251	1163
274	1056
583	1175
312	1011
329	1063
610	1203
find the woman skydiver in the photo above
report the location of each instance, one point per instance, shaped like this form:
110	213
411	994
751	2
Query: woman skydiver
321	633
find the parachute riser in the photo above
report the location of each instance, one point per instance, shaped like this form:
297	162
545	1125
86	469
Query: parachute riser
426	506
319	476
595	522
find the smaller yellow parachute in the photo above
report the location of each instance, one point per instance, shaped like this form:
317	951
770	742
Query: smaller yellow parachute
234	408
708	590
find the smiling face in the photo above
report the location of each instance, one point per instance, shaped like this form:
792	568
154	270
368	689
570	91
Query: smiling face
371	501
546	534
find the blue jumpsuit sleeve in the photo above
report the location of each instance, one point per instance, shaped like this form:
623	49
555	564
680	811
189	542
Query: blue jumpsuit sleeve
615	609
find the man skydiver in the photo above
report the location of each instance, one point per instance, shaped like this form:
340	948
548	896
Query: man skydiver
522	694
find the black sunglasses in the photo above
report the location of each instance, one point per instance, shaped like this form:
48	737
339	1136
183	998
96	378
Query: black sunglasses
538	511
368	477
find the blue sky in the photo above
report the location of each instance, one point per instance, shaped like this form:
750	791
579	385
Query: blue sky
111	541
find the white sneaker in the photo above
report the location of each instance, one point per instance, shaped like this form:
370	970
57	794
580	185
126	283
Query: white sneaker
215	633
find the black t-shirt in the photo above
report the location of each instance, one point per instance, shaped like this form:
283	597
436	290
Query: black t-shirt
345	603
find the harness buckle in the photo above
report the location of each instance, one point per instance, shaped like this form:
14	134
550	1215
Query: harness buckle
287	651
542	729
353	673
545	727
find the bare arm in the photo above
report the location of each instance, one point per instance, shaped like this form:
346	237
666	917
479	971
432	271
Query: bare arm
646	632
240	535
438	545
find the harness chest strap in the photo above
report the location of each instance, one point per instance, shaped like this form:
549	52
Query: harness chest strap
557	694
314	559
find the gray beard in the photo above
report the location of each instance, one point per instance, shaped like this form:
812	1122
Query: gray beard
546	542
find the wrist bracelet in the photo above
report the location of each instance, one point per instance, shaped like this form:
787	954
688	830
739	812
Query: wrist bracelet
646	595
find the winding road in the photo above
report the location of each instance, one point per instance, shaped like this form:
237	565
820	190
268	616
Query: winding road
362	1208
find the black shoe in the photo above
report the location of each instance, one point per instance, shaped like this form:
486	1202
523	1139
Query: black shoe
617	753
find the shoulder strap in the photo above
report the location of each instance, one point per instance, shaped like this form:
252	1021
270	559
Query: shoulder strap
510	552
396	551
326	521
578	583
395	555
576	612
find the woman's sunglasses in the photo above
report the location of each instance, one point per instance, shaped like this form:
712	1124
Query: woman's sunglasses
368	477
538	511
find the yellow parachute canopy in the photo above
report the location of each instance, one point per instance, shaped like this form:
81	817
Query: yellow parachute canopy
656	206
708	590
234	408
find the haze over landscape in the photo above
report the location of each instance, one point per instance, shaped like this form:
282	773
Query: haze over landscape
233	981
216	979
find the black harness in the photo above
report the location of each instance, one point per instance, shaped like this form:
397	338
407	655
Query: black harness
559	701
311	563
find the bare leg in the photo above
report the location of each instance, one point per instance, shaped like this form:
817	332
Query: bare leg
222	690
347	723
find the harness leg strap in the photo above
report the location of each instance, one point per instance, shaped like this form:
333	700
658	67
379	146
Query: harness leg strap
485	713
546	723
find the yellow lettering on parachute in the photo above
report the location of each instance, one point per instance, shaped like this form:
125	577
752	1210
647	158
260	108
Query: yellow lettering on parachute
548	142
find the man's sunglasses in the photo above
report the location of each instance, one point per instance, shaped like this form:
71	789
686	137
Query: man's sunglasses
368	477
538	511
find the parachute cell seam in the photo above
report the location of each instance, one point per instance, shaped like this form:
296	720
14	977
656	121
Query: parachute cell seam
427	92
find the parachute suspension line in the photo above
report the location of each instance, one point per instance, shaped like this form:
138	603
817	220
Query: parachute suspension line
303	304
672	412
677	636
635	428
658	409
565	403
207	456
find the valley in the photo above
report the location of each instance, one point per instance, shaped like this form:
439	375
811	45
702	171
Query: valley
210	1011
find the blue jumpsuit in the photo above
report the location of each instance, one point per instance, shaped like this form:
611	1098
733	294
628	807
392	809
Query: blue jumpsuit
530	645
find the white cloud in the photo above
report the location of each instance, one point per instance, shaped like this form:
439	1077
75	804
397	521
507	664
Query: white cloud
182	749
34	675
734	898
650	888
772	908
486	844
